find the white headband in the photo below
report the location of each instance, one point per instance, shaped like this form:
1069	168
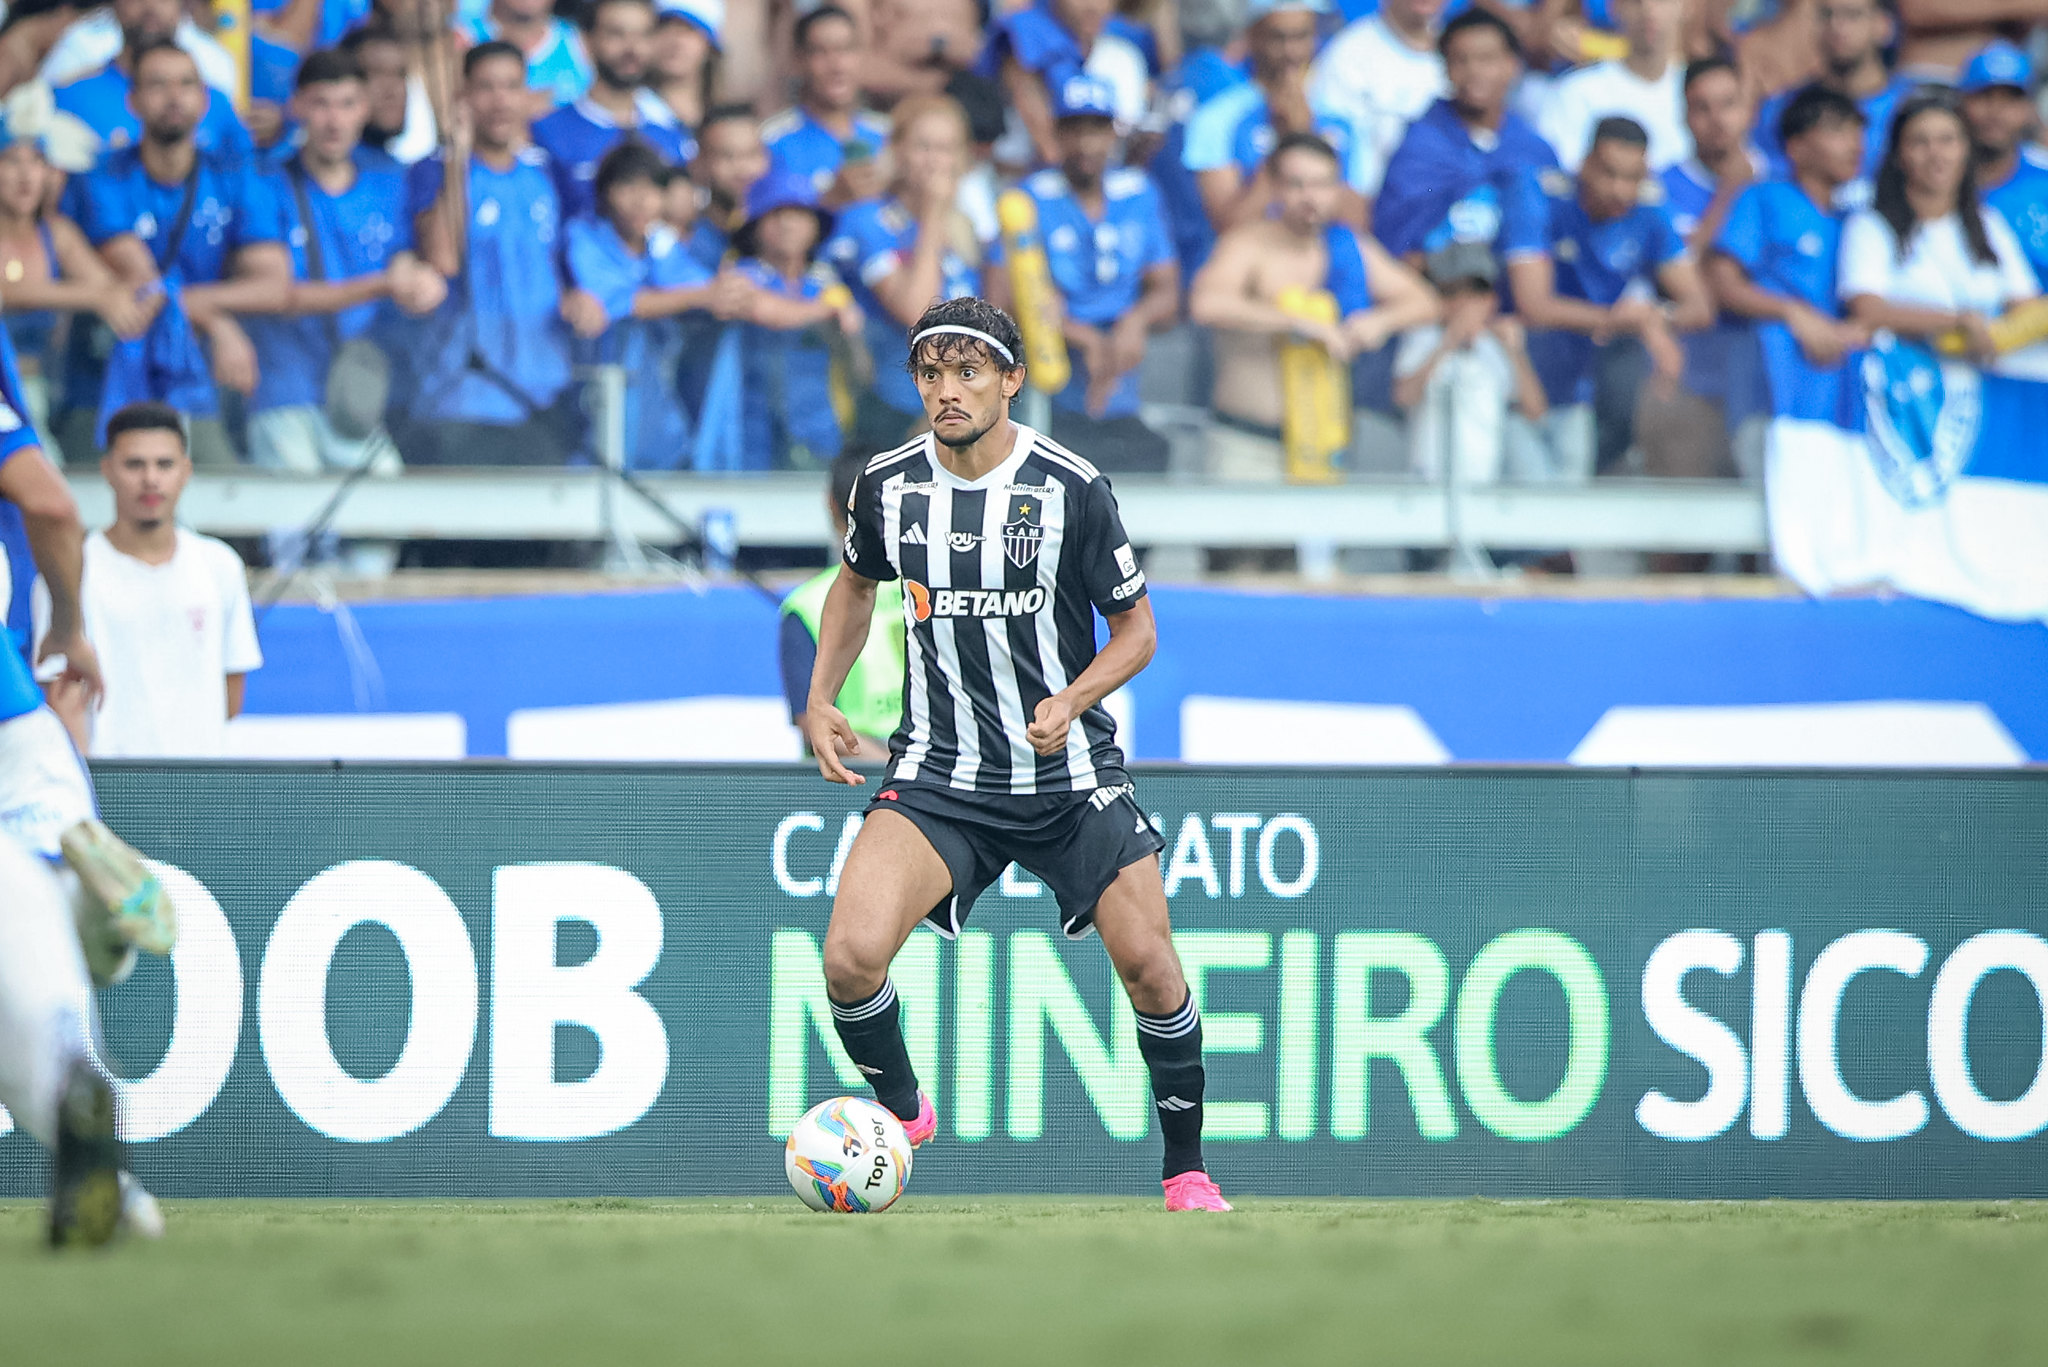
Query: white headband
993	345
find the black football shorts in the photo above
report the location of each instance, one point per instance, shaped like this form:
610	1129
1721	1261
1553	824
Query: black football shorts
1074	843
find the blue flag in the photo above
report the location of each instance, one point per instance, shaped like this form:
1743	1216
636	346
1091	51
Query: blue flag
1934	483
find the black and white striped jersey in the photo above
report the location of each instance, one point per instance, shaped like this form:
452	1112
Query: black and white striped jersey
1002	578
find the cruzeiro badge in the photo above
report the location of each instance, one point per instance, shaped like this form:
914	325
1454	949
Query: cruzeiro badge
1022	533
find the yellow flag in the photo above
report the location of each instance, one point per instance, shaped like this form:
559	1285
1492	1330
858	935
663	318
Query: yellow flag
1033	294
1315	394
2023	326
231	28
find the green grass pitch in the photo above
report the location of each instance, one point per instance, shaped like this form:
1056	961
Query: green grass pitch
1047	1282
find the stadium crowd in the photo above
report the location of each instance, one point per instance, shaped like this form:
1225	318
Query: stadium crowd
1535	241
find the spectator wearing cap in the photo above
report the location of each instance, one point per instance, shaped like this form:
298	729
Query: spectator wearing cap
557	66
1586	260
798	395
1386	69
103	98
1035	50
1647	86
826	136
619	37
1113	264
1854	37
48	269
730	158
1451	175
688	41
631	280
900	252
1460	381
2004	125
1231	134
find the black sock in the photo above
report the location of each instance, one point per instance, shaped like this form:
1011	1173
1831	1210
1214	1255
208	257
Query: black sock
872	1031
1172	1047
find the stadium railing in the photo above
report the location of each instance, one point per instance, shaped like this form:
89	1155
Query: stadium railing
786	509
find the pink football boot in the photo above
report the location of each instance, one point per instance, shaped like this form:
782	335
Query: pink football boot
1193	1191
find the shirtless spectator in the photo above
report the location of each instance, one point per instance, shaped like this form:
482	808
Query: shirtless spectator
1941	35
1302	247
918	45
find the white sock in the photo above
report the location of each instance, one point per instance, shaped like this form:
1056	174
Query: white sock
46	1002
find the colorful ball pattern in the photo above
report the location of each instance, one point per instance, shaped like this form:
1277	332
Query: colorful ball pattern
848	1155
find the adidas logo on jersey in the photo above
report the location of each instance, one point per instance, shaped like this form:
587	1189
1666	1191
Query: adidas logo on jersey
915	536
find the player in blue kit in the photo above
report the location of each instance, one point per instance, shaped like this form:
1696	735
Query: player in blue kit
496	361
351	242
1112	261
102	99
203	228
1585	261
75	902
826	136
619	35
2003	121
1776	258
900	252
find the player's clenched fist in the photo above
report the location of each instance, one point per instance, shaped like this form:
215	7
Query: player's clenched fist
830	736
1048	729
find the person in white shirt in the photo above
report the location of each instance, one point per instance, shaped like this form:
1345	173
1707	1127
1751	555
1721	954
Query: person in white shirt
1926	259
167	609
1647	86
1384	68
1462	381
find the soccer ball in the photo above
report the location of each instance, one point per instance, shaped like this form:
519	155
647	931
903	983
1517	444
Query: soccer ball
848	1155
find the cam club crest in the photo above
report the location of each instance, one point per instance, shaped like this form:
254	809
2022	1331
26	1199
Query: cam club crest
1023	533
1923	418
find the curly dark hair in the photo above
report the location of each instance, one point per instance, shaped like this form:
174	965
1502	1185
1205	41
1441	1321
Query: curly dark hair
968	312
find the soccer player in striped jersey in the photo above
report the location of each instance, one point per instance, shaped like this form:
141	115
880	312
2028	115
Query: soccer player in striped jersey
1007	545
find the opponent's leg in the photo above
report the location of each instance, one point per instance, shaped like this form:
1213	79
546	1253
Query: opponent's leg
892	879
1132	920
47	1080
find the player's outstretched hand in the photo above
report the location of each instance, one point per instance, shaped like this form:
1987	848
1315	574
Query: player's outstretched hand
1048	729
831	737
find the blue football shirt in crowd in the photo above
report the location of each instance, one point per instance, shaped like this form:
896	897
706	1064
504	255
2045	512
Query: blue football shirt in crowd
358	232
1233	128
788	385
101	100
797	142
604	265
577	135
1041	45
1445	184
506	305
1791	247
559	65
871	242
1099	266
1721	361
1203	73
2022	199
1595	262
1877	109
233	206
